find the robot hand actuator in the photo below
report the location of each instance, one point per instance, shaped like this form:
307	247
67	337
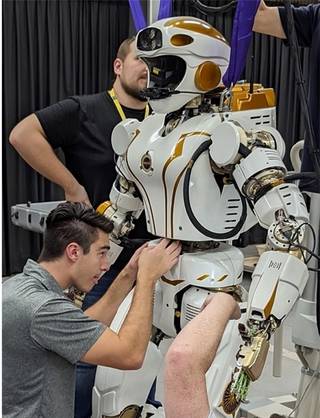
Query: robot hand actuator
123	207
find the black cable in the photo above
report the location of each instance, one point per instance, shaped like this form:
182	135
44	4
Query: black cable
316	270
292	242
302	247
318	300
304	258
308	251
211	10
298	176
296	236
118	167
186	197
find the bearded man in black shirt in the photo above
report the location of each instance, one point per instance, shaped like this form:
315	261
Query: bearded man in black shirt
81	126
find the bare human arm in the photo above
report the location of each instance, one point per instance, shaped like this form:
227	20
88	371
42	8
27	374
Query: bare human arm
126	350
190	356
29	140
268	22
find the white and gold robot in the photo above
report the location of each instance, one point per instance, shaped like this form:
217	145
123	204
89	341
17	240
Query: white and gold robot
205	167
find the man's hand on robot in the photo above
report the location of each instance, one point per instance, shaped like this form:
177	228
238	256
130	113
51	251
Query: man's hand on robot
132	266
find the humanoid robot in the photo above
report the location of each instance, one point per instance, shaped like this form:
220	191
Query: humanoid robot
205	167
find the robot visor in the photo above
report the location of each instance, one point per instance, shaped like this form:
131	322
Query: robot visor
166	71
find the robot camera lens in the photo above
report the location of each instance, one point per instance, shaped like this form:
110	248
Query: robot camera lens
149	39
152	33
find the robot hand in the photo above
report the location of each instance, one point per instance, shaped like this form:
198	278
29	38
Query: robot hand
122	209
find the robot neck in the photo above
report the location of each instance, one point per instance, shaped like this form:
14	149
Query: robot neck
193	108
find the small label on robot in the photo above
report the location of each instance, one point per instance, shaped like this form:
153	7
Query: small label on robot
275	264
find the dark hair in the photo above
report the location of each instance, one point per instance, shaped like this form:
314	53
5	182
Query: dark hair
124	48
71	222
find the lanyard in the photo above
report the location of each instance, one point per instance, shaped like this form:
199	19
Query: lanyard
119	107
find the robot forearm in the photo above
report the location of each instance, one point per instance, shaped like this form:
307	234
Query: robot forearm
277	281
280	275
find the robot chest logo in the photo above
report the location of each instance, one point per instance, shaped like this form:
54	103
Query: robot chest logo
275	265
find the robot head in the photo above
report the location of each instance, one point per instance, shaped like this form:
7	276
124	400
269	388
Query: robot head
185	57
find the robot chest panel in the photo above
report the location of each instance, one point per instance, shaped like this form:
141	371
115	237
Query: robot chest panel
158	165
159	162
152	156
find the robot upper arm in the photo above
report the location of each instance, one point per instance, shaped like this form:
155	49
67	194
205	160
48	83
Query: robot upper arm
123	134
258	169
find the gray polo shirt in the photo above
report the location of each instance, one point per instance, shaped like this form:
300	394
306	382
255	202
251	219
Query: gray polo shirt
44	335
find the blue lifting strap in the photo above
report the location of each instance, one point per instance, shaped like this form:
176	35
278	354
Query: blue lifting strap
241	37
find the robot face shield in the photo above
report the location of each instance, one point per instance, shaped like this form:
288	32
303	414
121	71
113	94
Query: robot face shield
165	71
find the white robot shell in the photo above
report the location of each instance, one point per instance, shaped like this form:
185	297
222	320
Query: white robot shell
189	54
122	135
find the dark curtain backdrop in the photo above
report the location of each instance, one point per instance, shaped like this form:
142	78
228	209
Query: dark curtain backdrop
51	50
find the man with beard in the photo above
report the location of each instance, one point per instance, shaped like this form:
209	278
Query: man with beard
81	126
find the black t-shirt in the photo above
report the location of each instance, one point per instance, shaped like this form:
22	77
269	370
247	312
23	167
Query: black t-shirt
307	25
81	126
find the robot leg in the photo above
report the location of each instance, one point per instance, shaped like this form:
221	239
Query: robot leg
218	376
122	393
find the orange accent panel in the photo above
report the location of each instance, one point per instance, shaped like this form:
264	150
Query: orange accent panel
181	40
261	97
172	282
269	305
222	278
196	26
103	207
207	76
203	277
